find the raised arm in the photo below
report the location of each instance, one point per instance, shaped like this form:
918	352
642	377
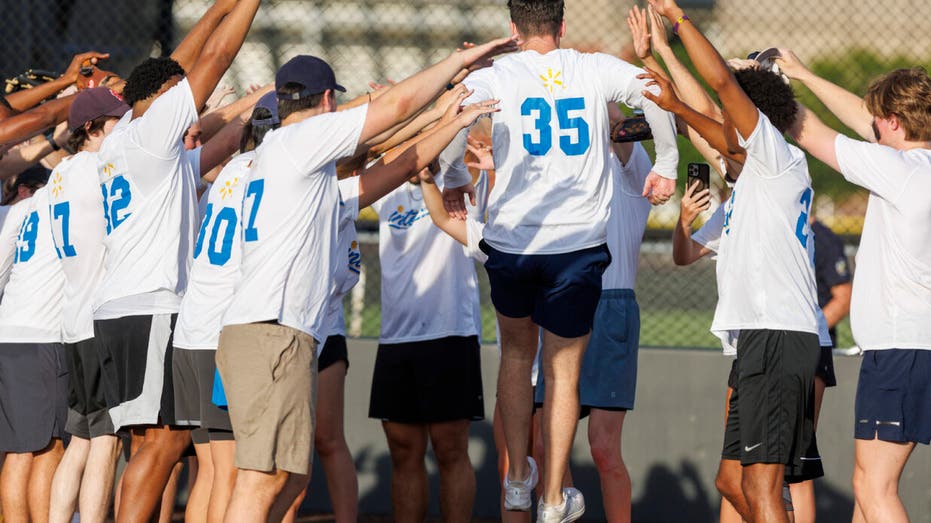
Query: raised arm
213	121
221	146
390	172
849	108
411	95
29	98
188	51
815	137
685	250
712	67
220	50
25	125
433	199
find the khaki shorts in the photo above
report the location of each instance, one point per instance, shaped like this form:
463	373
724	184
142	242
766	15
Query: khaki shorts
269	373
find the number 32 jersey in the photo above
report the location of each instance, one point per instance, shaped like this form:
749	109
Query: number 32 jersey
552	149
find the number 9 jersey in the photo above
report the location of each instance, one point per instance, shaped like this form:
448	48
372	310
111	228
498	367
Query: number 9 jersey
552	148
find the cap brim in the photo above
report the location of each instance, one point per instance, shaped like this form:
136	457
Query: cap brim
767	54
340	88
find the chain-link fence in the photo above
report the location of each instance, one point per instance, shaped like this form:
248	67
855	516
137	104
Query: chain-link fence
848	41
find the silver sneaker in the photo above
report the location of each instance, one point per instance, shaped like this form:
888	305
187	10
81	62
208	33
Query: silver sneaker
571	509
517	493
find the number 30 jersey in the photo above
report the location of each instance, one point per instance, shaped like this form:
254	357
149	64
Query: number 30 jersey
149	188
78	228
552	148
217	254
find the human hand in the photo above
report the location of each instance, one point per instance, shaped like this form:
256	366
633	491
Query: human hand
454	106
253	88
454	201
657	30
639	32
219	94
739	64
426	176
693	203
790	65
482	151
479	56
81	61
449	98
658	189
473	112
666	99
667	8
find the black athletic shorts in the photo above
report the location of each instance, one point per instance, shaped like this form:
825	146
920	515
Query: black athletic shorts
87	408
334	350
825	368
193	375
135	357
33	395
430	381
771	411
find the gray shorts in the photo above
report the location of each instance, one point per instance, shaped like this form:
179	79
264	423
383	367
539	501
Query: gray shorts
608	379
193	373
33	395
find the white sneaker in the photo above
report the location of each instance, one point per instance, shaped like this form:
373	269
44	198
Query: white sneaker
517	493
571	509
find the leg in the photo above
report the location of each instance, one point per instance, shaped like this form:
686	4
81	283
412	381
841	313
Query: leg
166	504
97	483
562	361
137	436
148	471
288	501
507	516
67	481
450	442
762	486
728	482
407	443
803	501
14	487
254	494
876	475
519	340
199	496
330	442
43	468
224	478
604	437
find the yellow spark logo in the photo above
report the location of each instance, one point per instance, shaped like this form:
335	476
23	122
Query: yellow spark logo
57	189
108	169
400	208
550	80
354	245
227	189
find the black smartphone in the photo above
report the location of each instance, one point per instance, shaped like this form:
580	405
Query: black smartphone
633	129
700	172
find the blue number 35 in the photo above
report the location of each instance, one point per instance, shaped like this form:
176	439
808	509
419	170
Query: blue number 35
543	123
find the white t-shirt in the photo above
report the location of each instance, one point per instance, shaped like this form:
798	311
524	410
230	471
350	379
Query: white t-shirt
217	254
347	272
429	288
290	219
628	219
891	303
9	232
78	229
552	147
32	299
765	270
150	206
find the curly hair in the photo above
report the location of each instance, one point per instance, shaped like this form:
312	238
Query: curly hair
771	95
148	77
905	93
537	17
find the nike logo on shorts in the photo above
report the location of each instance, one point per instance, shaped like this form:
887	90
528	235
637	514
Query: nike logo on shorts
750	449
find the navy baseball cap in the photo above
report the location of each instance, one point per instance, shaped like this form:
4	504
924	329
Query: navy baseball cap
311	72
268	101
91	104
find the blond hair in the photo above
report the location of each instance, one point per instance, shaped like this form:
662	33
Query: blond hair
905	93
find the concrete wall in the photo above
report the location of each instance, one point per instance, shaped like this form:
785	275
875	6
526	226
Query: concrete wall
672	443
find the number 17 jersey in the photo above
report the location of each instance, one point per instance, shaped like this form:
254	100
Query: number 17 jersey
552	149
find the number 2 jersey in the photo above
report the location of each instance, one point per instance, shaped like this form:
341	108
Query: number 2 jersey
765	269
149	190
552	148
217	254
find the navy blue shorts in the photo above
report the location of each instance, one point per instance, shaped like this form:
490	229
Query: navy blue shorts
558	291
894	396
